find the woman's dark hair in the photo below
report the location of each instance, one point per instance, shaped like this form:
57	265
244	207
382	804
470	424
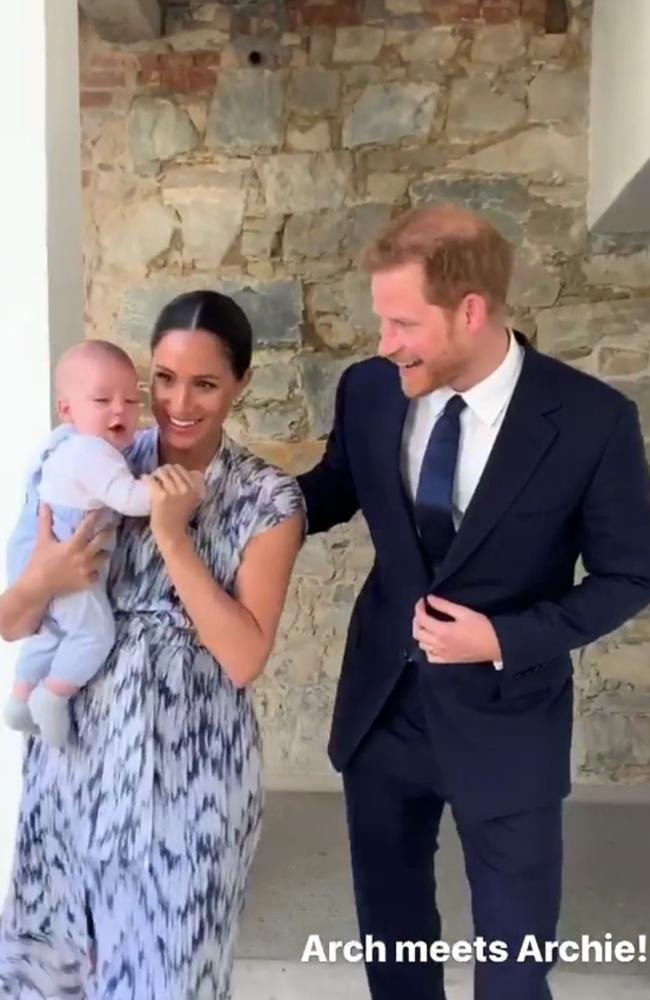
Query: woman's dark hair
216	314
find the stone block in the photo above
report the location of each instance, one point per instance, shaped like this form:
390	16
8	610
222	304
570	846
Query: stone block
559	229
621	361
401	7
559	95
211	217
320	377
124	20
577	329
505	202
335	333
476	110
314	559
534	284
544	154
197	178
131	237
260	238
387	187
428	45
209	231
197	40
247	111
325	297
363	75
321	45
158	131
313	235
363	223
206	13
358	45
270	383
628	664
391	112
499	43
639	392
306	182
313	139
543	48
315	90
274	308
358	302
624	271
279	422
613	742
328	234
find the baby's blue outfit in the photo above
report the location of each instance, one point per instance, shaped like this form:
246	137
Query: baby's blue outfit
78	631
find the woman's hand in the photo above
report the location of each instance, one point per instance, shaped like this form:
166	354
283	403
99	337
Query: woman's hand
57	568
175	494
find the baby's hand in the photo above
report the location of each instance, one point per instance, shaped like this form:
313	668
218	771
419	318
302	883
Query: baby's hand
196	478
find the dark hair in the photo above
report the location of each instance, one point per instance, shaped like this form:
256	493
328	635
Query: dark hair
216	314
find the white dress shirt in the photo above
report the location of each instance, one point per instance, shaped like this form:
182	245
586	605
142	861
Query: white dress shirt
480	422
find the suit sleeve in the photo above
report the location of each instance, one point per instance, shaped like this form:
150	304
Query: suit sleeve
328	488
615	548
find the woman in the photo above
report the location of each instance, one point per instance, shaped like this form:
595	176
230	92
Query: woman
135	841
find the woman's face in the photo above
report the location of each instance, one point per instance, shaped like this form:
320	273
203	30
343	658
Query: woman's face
193	388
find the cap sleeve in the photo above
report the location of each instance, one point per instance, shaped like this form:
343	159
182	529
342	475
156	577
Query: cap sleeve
280	498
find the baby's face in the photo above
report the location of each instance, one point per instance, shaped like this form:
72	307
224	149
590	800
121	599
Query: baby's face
101	398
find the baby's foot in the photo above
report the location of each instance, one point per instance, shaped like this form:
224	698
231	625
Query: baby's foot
18	716
51	714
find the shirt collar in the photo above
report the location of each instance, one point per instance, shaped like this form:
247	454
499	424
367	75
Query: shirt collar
487	398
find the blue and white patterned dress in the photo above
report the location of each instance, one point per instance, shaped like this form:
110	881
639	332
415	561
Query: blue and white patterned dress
141	831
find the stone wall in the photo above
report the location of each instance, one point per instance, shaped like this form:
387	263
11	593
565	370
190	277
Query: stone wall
254	149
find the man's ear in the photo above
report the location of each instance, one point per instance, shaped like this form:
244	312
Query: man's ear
475	312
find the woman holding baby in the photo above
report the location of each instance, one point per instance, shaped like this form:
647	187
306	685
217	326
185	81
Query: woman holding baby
135	840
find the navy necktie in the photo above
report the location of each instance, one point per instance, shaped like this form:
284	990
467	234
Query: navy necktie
433	500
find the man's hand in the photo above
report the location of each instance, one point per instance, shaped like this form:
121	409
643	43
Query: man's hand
469	638
58	568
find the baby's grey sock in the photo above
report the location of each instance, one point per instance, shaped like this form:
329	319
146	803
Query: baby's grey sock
51	714
18	716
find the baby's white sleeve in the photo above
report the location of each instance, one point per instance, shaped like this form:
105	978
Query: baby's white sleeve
104	475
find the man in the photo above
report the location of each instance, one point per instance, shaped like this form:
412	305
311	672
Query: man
484	469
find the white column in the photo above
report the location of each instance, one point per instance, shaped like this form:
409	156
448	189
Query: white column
619	139
41	284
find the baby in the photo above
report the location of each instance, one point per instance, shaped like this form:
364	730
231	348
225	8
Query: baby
81	468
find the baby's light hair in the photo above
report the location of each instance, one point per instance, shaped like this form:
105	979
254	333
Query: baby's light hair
88	350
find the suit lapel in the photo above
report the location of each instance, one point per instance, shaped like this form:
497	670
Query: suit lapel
525	436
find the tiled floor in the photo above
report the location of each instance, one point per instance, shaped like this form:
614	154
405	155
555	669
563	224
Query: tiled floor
300	886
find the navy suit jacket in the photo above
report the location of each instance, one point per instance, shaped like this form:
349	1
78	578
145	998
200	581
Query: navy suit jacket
567	478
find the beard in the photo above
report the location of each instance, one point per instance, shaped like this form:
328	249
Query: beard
429	376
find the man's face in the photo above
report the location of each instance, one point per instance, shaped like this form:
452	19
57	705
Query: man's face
431	346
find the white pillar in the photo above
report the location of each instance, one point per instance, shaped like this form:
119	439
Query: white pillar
619	139
41	284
